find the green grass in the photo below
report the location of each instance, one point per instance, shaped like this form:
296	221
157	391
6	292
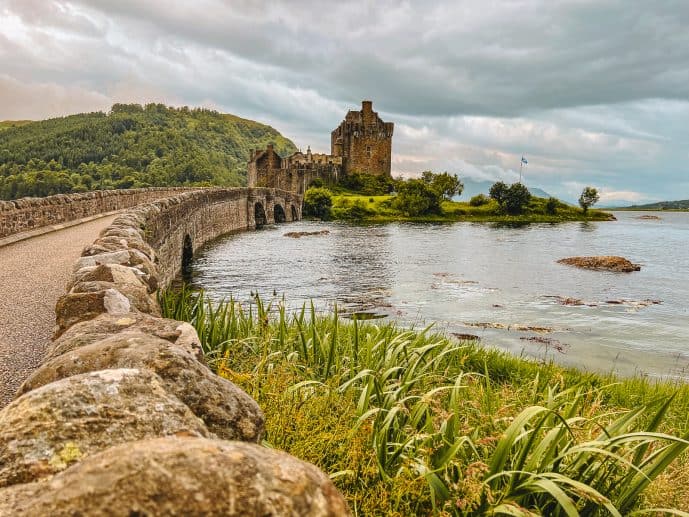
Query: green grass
7	124
379	210
408	422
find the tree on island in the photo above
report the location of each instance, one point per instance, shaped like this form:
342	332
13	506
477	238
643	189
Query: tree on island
445	184
318	203
512	199
589	197
416	197
516	198
498	191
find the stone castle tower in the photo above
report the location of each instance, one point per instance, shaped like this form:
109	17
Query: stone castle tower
364	142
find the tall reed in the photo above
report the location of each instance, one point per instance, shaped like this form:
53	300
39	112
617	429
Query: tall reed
486	433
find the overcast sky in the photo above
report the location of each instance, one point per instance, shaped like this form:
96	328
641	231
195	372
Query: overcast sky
592	92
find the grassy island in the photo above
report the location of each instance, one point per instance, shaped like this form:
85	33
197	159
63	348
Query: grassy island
379	209
409	422
380	199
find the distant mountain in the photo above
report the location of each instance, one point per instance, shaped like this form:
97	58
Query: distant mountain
131	146
662	205
474	187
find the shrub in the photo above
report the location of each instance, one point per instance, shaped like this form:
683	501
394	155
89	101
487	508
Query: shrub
316	183
498	192
358	210
415	197
318	203
479	200
368	184
516	197
551	206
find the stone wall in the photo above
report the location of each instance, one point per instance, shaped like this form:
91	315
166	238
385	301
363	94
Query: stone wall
124	417
30	213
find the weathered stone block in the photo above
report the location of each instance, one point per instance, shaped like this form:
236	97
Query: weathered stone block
113	257
170	476
226	410
75	307
114	273
139	297
89	332
47	429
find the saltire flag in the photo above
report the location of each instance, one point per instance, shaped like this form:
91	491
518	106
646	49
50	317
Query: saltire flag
524	161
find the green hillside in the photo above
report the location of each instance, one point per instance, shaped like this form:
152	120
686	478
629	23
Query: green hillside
7	124
132	146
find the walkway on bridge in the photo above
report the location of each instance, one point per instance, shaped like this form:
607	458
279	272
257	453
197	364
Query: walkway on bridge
33	275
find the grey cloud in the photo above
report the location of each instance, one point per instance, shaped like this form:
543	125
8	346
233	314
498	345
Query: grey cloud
594	91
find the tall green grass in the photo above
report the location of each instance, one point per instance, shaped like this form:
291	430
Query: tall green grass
410	422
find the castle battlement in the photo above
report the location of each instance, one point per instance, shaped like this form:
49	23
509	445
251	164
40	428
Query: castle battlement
361	144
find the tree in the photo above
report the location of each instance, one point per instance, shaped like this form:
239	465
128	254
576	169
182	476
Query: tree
498	192
589	197
416	197
318	202
516	197
551	205
445	184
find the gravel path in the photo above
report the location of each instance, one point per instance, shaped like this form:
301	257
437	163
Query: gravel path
33	275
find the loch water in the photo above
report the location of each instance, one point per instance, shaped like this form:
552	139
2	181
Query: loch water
500	283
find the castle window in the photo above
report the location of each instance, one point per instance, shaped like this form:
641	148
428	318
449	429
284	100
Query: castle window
368	151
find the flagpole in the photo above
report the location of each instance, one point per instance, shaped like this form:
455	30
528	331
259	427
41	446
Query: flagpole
521	164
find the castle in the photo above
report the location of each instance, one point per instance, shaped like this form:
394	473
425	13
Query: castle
362	143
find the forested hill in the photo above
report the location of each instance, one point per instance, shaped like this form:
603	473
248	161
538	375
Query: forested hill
131	146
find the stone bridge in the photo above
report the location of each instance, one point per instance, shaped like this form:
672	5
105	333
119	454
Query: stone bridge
122	416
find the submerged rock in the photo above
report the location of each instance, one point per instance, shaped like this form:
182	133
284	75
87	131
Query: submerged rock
466	337
602	263
650	217
170	476
548	342
512	326
297	235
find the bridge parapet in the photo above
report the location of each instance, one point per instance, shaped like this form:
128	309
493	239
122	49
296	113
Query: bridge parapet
30	213
124	416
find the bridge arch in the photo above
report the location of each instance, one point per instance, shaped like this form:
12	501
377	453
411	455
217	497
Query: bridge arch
260	215
187	257
279	213
295	214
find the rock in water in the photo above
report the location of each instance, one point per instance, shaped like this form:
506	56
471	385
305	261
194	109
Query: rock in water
174	475
602	263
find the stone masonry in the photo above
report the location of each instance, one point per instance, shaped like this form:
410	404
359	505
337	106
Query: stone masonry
361	144
124	417
29	213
